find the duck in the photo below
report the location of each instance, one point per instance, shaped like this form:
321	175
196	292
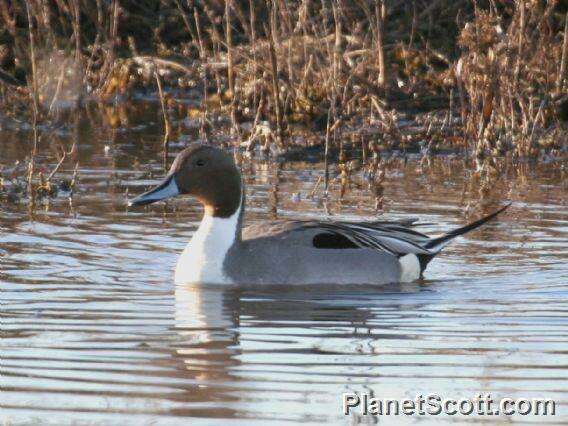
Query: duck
222	251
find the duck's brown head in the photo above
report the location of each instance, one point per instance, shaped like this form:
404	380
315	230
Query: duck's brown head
204	172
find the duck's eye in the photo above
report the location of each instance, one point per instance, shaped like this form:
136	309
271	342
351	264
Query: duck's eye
200	163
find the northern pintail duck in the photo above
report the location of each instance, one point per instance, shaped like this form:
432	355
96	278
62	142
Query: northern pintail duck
287	252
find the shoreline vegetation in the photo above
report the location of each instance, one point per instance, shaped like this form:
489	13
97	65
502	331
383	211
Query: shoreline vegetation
358	79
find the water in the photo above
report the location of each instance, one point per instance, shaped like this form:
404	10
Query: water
93	330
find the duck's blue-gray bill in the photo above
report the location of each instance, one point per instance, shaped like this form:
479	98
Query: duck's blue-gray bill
167	189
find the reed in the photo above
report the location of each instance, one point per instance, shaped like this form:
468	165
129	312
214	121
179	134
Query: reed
510	70
166	118
35	109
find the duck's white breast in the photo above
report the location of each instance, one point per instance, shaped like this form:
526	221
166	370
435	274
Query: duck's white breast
202	259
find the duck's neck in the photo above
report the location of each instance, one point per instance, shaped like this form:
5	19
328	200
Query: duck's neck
218	231
216	234
204	257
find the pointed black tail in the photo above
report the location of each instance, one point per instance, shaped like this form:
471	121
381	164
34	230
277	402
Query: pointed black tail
438	243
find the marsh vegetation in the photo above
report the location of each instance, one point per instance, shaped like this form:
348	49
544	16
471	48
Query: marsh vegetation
354	81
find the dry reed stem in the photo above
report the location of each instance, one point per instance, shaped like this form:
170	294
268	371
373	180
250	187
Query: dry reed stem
564	58
165	116
203	134
274	70
380	11
35	108
326	153
230	70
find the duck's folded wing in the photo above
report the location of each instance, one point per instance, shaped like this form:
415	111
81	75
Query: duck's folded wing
391	237
394	237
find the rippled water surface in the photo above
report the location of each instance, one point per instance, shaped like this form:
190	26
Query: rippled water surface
93	330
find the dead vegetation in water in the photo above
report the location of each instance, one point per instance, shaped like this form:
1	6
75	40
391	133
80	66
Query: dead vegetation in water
511	78
361	78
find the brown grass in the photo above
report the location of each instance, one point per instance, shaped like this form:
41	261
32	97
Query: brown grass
490	75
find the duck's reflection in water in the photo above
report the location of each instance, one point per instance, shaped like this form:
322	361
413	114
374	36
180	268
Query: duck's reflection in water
243	345
207	323
208	348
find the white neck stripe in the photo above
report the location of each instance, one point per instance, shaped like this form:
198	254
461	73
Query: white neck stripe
202	259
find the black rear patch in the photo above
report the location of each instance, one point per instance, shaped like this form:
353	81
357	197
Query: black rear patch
424	260
327	240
